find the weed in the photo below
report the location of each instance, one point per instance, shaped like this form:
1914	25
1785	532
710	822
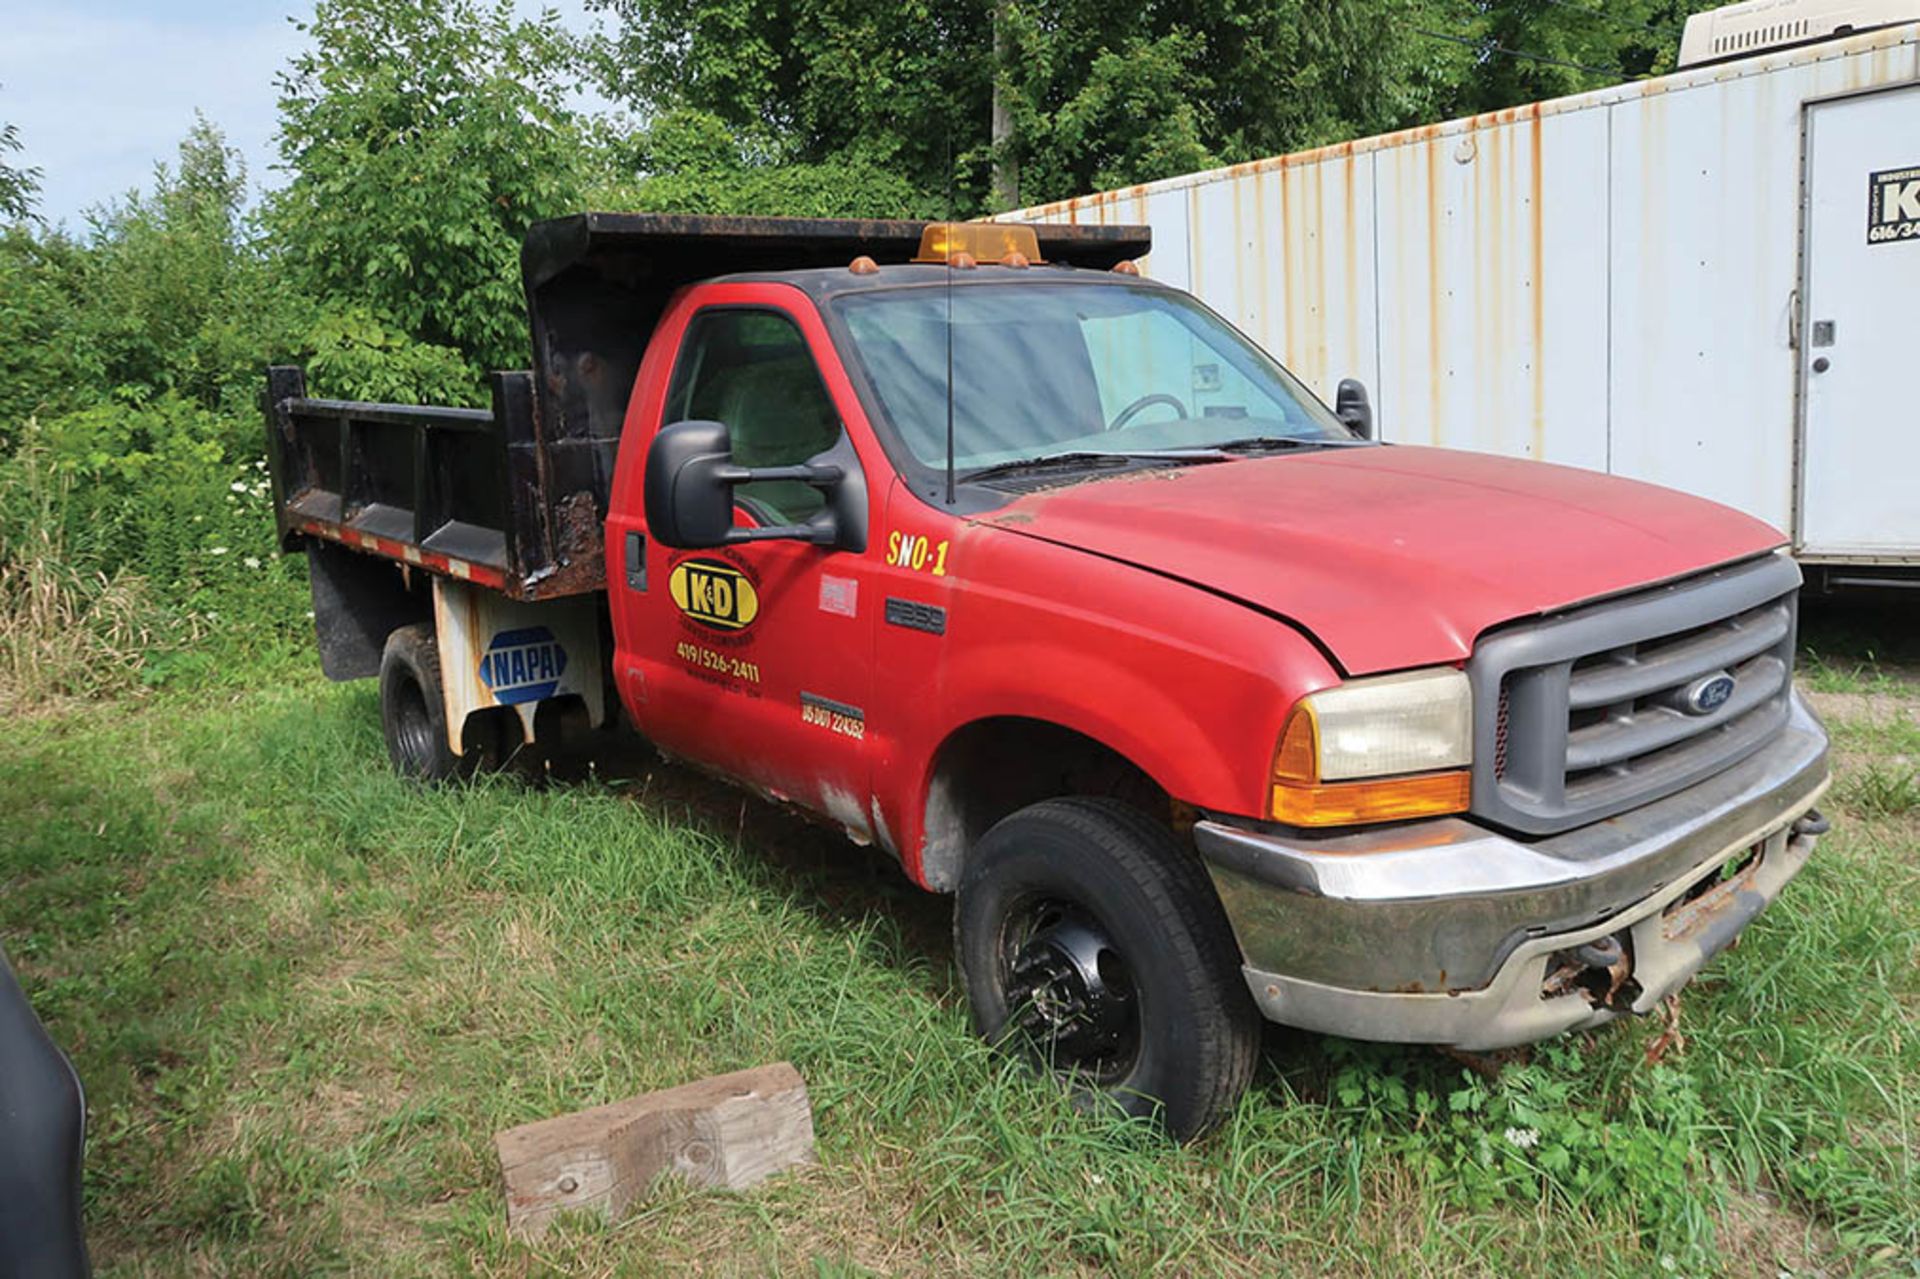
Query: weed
67	629
1882	790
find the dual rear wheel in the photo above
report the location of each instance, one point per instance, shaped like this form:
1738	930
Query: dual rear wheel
413	709
413	716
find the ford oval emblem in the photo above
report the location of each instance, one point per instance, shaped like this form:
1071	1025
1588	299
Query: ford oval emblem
1708	693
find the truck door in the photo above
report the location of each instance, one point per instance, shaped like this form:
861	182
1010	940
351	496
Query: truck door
756	659
1860	464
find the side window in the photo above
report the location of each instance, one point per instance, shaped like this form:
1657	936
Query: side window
752	370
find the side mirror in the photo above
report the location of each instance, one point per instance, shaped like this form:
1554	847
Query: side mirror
1351	406
689	492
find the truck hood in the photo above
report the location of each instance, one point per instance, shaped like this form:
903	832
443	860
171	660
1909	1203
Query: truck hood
1392	557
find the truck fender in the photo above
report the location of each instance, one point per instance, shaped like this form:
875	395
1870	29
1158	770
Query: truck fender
1138	728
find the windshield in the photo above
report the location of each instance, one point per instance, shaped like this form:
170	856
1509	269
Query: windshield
1043	369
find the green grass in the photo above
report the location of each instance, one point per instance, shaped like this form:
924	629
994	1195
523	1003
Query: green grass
1854	646
303	997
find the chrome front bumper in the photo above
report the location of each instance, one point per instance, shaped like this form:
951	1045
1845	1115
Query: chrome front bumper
1446	932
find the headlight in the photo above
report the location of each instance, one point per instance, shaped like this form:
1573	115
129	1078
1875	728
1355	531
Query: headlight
1376	750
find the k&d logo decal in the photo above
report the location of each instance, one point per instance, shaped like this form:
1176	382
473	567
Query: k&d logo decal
1893	205
714	593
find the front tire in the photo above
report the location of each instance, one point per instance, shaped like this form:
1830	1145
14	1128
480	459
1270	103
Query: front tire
1089	937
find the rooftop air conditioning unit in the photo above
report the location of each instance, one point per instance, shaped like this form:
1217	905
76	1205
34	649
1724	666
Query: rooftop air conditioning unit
1756	26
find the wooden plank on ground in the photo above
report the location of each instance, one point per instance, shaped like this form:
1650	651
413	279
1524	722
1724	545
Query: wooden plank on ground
730	1131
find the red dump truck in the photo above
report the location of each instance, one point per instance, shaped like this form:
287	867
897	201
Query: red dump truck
1037	574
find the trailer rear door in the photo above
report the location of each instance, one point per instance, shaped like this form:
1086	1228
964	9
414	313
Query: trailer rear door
1860	467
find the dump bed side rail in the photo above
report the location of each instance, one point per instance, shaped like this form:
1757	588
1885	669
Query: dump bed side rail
458	492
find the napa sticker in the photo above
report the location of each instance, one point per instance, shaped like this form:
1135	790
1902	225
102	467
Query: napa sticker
523	665
714	594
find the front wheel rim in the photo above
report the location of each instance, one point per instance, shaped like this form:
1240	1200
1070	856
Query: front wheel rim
1070	990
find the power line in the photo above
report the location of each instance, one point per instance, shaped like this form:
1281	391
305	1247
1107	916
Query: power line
1666	31
1489	46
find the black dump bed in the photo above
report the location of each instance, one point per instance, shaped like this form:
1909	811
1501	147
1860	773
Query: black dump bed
514	496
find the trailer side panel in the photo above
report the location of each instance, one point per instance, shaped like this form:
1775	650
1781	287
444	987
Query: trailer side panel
1609	281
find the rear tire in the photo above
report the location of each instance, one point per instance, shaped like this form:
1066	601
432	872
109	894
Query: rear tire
413	709
1089	938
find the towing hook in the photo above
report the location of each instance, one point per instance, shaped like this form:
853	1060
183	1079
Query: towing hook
1601	970
1812	822
1604	952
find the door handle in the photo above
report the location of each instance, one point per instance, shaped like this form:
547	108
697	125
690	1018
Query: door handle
636	561
1822	364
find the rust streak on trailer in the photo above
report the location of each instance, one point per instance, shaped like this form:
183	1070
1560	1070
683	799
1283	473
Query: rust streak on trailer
1290	284
1436	330
1317	266
1351	219
1537	282
1482	215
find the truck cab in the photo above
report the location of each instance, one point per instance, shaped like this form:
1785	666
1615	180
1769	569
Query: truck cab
1040	576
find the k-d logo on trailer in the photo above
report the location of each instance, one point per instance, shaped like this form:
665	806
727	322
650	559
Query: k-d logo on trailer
523	665
1893	205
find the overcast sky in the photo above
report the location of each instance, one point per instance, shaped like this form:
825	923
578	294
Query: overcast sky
103	89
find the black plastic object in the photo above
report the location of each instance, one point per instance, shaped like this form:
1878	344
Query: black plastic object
1353	408
357	603
690	480
42	1125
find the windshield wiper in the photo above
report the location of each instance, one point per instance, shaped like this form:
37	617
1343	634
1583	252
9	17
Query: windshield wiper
1261	443
1090	458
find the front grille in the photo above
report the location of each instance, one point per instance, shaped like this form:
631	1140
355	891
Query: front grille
1583	715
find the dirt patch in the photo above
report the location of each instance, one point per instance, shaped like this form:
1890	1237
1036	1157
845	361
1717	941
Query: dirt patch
1876	709
1757	1235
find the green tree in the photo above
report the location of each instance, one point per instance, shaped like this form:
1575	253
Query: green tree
19	187
690	161
164	293
1113	93
891	86
422	140
1532	50
19	184
1097	92
42	369
176	295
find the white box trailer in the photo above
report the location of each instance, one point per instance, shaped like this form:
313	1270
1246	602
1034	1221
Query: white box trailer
1709	280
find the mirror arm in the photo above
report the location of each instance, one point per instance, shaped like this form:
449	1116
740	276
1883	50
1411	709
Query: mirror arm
822	474
817	534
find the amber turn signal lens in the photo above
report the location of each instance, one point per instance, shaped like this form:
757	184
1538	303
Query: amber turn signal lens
1298	758
1392	799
